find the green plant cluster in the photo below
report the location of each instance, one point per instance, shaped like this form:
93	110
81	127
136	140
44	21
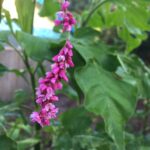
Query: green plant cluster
106	83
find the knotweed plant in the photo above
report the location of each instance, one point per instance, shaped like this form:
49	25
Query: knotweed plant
52	81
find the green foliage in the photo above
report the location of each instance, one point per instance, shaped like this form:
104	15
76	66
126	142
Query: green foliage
49	8
123	16
1	47
24	144
135	72
4	36
109	97
35	47
1	2
8	18
6	143
71	124
25	10
3	69
107	79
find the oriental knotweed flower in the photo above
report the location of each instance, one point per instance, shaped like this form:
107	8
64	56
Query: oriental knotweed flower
48	85
65	17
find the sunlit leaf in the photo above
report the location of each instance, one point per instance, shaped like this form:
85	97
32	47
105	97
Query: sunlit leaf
25	10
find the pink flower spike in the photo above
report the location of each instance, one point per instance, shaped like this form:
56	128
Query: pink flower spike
48	85
65	5
55	70
35	117
54	98
57	22
63	75
55	58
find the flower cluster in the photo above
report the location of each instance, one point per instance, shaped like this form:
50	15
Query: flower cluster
48	85
65	18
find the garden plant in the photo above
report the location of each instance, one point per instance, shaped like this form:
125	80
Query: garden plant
95	92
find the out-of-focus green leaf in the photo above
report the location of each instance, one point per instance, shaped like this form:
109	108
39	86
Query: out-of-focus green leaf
3	69
123	15
4	36
64	140
14	133
89	142
86	35
7	144
27	143
135	72
35	47
69	92
8	18
1	47
18	128
131	40
49	8
25	10
71	119
1	2
5	108
144	147
21	97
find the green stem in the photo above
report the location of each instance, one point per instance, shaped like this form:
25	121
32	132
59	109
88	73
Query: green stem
32	77
37	129
145	121
92	12
42	69
122	63
34	2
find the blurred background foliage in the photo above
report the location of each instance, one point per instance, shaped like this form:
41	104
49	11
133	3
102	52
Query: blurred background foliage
108	97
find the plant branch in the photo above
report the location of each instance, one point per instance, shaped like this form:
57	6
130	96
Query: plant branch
42	69
32	77
92	12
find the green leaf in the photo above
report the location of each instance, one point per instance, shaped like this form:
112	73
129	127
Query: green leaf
135	72
99	51
4	36
109	97
1	47
5	108
8	18
27	143
69	92
132	41
90	142
20	97
144	147
3	69
49	8
25	10
63	141
35	47
6	143
123	15
71	119
1	2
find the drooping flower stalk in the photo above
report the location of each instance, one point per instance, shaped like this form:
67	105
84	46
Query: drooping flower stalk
48	85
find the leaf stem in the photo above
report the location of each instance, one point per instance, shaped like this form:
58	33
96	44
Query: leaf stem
122	63
32	77
42	69
92	12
